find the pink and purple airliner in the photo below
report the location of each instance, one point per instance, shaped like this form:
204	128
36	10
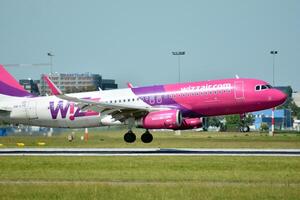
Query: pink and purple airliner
178	106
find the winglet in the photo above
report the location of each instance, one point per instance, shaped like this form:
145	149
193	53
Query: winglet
129	85
54	90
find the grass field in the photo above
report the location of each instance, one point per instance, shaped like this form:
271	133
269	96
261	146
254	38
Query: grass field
103	139
176	177
149	178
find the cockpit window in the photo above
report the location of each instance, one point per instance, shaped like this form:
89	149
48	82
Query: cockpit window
262	87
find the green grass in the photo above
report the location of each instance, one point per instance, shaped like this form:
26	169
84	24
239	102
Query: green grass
189	139
149	178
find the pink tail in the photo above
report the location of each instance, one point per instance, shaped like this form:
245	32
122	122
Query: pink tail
9	86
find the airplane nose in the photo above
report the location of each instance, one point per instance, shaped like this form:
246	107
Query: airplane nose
280	97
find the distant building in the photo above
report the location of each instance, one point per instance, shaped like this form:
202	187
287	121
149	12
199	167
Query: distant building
70	83
283	118
108	84
30	85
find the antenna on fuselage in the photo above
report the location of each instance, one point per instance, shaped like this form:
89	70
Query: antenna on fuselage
237	76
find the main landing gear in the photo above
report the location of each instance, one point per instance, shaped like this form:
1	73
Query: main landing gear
130	137
147	137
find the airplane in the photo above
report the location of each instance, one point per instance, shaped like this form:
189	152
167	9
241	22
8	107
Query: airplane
178	106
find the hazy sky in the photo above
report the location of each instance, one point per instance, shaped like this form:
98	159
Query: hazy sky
132	40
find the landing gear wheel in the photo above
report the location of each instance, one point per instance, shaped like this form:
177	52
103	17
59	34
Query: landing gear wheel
147	137
244	129
129	137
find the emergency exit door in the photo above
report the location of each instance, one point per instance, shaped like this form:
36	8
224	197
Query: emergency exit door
239	92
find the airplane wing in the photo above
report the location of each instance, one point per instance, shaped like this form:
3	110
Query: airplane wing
119	112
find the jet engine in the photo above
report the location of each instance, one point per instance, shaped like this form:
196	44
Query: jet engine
191	123
166	119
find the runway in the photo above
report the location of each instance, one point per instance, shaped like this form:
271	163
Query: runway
145	152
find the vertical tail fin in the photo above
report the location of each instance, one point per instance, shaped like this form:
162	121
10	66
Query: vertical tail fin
54	90
9	86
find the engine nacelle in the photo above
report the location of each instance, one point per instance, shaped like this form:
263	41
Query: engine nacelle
191	123
166	119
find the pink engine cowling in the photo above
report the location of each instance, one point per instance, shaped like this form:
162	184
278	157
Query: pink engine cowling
190	123
167	119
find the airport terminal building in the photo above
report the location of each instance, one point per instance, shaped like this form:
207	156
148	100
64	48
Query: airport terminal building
69	83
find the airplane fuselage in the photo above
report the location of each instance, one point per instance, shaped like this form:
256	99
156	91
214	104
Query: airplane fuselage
193	100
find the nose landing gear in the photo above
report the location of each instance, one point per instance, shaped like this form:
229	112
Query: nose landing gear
244	127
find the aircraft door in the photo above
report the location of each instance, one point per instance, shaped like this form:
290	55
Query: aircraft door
31	109
239	92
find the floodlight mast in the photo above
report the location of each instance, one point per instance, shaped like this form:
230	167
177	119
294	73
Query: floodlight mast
178	54
50	54
274	53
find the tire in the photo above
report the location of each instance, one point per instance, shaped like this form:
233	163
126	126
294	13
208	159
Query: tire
246	129
147	137
129	137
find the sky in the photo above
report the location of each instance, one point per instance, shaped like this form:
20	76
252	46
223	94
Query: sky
132	40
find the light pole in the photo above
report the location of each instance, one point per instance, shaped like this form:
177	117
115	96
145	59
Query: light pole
273	52
178	54
51	63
